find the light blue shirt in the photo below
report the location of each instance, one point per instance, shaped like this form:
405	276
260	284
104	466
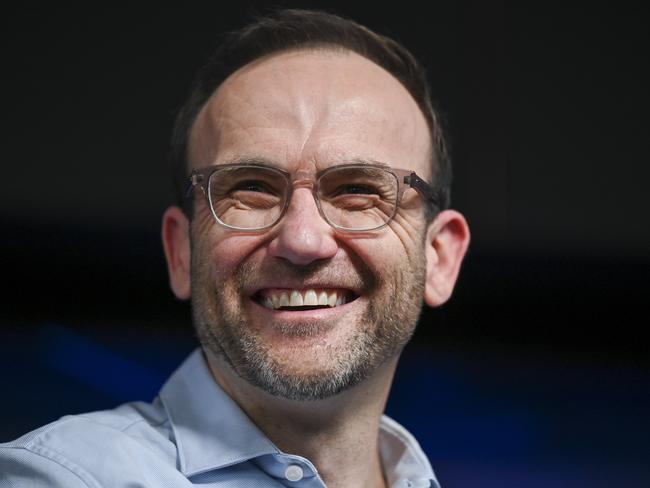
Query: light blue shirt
192	434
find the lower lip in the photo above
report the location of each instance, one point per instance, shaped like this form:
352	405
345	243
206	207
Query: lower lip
302	315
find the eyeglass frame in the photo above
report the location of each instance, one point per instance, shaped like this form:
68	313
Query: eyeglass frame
201	177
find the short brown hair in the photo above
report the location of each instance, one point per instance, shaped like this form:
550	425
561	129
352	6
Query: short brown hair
290	29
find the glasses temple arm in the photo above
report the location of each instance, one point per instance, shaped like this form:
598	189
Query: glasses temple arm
424	188
194	179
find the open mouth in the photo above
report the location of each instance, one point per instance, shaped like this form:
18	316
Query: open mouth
309	299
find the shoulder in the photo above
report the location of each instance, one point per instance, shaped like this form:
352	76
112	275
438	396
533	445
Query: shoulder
74	449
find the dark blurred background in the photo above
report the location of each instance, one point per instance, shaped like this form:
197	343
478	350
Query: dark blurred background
535	374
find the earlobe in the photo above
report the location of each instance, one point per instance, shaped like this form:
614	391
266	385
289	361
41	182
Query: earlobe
176	243
446	244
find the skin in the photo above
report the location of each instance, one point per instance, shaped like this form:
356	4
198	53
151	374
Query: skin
304	111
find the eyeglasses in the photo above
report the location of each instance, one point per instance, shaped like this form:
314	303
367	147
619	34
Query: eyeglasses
350	197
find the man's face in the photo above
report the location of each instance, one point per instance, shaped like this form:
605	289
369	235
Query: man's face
304	111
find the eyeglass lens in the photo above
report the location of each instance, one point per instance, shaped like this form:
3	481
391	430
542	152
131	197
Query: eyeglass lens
351	197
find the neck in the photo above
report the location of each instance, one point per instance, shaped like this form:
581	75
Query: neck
339	435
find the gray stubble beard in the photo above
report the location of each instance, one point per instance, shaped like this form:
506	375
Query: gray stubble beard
381	336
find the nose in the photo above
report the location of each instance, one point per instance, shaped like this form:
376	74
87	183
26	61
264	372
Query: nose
303	236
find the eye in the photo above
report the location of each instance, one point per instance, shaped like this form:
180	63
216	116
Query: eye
252	186
355	189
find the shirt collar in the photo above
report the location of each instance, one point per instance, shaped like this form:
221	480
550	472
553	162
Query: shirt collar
210	429
405	463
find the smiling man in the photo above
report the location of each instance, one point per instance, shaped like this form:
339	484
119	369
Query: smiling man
312	223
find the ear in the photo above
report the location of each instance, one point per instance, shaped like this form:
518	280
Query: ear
446	244
176	242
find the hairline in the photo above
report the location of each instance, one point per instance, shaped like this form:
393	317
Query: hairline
314	47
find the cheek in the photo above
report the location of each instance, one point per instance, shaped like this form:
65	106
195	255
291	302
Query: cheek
218	250
226	254
380	255
397	250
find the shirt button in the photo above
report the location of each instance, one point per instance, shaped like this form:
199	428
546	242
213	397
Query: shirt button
293	472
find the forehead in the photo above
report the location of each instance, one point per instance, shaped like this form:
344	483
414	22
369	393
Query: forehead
310	109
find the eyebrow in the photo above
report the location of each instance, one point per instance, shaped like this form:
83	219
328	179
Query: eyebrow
370	162
242	160
263	161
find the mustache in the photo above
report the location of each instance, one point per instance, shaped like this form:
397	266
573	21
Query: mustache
356	276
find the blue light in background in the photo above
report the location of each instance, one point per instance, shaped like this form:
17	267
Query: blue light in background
97	367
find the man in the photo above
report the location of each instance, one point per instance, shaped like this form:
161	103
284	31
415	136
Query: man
313	224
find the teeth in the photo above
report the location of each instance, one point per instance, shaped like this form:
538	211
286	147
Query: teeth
296	298
310	298
322	298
